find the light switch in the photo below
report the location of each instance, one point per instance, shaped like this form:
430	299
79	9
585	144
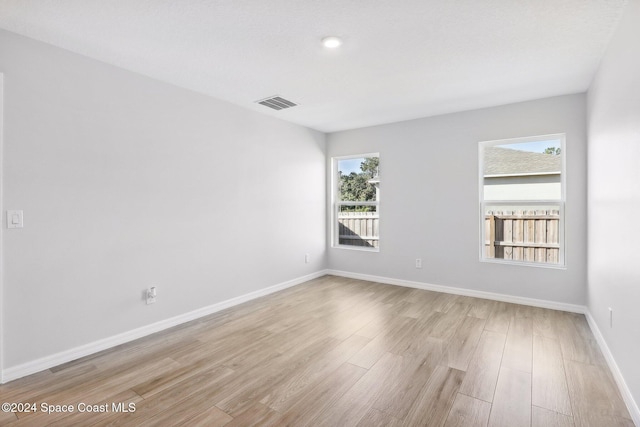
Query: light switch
14	219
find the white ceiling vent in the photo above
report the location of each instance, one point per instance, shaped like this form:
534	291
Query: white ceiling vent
276	102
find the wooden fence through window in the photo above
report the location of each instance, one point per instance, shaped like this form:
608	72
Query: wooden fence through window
525	235
358	229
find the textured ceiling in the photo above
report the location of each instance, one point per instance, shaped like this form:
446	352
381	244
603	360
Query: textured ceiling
401	59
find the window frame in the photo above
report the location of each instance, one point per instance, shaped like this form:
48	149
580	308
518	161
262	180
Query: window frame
561	202
335	204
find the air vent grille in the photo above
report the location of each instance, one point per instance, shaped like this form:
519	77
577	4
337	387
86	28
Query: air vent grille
277	103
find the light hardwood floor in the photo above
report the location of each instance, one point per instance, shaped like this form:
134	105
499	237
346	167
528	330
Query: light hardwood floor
342	352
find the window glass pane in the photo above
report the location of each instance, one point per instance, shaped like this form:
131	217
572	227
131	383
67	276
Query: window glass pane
358	225
523	171
528	233
358	179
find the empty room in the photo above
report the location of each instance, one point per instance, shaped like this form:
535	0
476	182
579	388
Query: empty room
320	213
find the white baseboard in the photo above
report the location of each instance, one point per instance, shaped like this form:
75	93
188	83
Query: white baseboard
553	305
47	362
632	406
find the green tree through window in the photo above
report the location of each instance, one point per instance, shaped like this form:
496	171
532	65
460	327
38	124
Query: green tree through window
357	187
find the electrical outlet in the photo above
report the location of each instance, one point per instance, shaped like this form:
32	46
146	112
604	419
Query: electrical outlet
307	258
151	295
418	262
610	317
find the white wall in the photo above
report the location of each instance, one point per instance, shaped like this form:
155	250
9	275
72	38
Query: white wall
127	182
614	197
1	225
429	202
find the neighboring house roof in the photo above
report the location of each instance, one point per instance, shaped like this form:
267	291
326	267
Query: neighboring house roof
504	161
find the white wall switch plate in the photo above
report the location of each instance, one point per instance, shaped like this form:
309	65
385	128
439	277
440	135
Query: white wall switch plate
15	219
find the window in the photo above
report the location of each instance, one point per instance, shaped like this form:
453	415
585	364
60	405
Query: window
356	198
522	200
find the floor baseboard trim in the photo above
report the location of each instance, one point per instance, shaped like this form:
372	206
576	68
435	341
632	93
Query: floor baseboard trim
47	362
553	305
632	406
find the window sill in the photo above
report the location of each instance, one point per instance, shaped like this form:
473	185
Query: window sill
524	263
356	248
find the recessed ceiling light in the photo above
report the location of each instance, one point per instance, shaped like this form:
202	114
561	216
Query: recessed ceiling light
331	42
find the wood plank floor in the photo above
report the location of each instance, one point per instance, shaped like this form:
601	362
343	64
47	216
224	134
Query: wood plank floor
342	352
